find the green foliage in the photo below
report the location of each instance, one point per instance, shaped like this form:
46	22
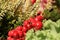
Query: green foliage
8	20
58	3
52	14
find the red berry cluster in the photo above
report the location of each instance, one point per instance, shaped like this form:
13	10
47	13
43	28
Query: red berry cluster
36	22
16	34
20	32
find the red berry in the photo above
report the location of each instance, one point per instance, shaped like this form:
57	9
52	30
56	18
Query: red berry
19	28
24	29
28	20
39	18
15	34
9	38
17	39
20	33
33	22
38	25
22	38
33	1
31	19
29	26
25	23
10	33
